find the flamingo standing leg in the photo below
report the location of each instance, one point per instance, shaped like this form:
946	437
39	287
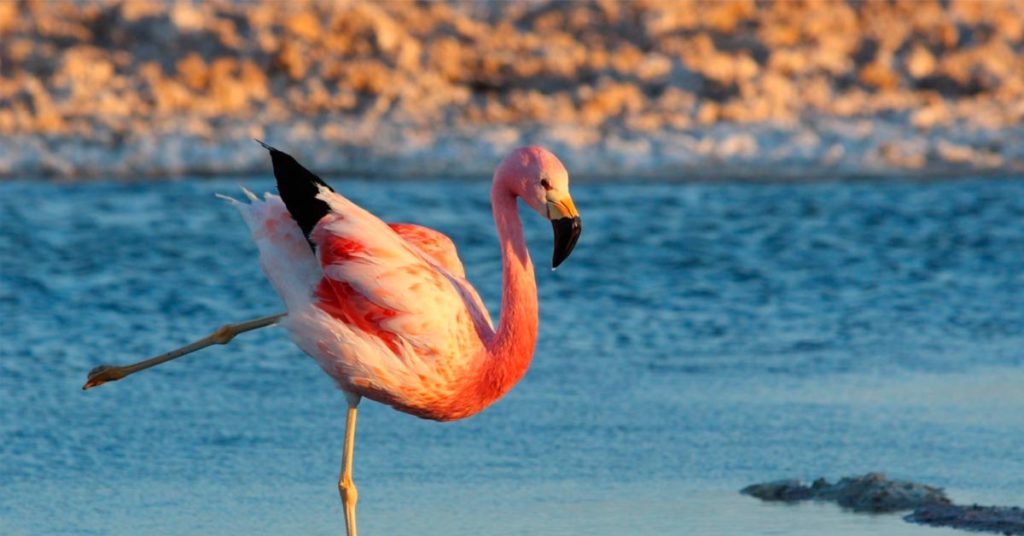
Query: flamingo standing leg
346	487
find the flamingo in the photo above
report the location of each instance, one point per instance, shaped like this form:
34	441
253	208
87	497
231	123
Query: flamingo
385	308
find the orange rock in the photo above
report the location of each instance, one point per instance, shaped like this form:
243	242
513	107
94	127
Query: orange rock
8	17
879	75
920	62
305	25
935	114
193	72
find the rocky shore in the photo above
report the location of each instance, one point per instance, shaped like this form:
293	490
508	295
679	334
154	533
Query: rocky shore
873	493
631	90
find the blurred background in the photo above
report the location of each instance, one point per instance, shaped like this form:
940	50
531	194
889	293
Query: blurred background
665	89
741	306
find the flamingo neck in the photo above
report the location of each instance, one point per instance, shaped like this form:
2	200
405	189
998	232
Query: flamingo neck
511	349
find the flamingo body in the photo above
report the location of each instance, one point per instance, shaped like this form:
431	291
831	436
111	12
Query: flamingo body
385	309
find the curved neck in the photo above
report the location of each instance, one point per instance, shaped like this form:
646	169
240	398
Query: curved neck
512	347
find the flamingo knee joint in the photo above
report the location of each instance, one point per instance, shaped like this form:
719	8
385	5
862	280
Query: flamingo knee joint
224	334
349	493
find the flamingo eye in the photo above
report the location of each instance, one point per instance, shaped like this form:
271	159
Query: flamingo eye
546	184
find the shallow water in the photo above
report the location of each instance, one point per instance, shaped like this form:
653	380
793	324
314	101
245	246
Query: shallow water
701	338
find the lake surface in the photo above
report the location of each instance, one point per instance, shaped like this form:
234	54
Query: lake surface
701	338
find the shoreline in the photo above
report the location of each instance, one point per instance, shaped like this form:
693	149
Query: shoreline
638	91
724	152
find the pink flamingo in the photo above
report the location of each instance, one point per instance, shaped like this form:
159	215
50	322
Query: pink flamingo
385	309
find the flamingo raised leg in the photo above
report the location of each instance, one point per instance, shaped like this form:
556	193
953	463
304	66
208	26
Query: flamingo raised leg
385	309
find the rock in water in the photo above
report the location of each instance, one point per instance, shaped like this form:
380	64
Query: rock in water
872	492
999	519
788	490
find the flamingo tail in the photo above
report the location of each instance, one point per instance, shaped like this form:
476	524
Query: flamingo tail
285	255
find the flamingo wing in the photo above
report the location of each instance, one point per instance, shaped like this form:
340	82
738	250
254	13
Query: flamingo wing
441	249
404	328
435	244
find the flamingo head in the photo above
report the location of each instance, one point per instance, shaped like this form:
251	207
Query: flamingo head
539	178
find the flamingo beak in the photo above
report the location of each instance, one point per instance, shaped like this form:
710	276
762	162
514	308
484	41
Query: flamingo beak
565	221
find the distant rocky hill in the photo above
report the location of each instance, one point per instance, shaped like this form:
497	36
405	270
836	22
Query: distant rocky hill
640	89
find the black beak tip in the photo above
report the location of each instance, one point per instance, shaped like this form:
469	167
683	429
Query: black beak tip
273	150
567	232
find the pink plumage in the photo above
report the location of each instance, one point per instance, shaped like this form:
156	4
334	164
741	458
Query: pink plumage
385	309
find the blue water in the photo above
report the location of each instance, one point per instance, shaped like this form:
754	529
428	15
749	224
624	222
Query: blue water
701	338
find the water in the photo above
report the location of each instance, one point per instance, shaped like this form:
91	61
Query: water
701	338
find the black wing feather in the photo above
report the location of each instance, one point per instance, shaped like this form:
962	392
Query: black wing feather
298	187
